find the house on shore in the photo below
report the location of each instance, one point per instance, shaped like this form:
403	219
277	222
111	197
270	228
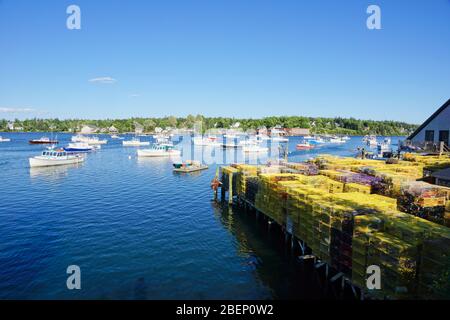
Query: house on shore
113	129
88	129
297	131
435	129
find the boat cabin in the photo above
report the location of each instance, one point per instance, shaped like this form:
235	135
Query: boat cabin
54	153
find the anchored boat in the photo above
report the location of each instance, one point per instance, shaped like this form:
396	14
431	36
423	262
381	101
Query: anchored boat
304	146
43	140
135	142
55	158
189	166
158	151
88	140
4	139
80	147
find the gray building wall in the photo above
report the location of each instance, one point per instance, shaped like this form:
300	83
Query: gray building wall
441	122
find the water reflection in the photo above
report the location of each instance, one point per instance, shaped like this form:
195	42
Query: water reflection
151	161
53	173
267	256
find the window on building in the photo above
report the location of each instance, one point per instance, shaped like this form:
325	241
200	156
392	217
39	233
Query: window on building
443	136
429	135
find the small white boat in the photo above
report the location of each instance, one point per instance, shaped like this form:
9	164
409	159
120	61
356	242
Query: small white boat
4	139
115	136
317	140
55	158
80	147
280	139
254	149
164	141
135	142
88	140
336	140
158	151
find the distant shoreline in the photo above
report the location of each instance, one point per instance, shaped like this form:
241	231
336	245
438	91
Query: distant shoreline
290	125
153	133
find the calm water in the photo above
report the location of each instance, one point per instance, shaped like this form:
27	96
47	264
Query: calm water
136	229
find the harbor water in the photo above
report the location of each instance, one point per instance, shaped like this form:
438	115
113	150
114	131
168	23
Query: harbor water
136	229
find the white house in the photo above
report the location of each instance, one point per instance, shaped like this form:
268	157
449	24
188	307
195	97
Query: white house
88	129
436	128
113	129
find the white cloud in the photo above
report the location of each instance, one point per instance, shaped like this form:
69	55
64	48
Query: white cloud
103	80
135	95
16	110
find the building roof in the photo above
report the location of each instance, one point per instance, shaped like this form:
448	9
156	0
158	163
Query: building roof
434	115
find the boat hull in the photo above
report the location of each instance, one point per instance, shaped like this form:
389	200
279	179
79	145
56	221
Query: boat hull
190	169
135	144
36	162
43	142
78	150
157	153
304	147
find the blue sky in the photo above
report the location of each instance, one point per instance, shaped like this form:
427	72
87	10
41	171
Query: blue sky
241	58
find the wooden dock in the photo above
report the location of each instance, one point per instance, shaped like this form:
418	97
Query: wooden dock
335	283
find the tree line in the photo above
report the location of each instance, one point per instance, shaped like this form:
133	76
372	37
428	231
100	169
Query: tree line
318	125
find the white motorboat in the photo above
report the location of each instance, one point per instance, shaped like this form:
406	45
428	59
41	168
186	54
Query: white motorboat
336	140
280	139
135	142
317	140
80	147
164	141
254	149
4	139
88	140
55	158
158	151
115	136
